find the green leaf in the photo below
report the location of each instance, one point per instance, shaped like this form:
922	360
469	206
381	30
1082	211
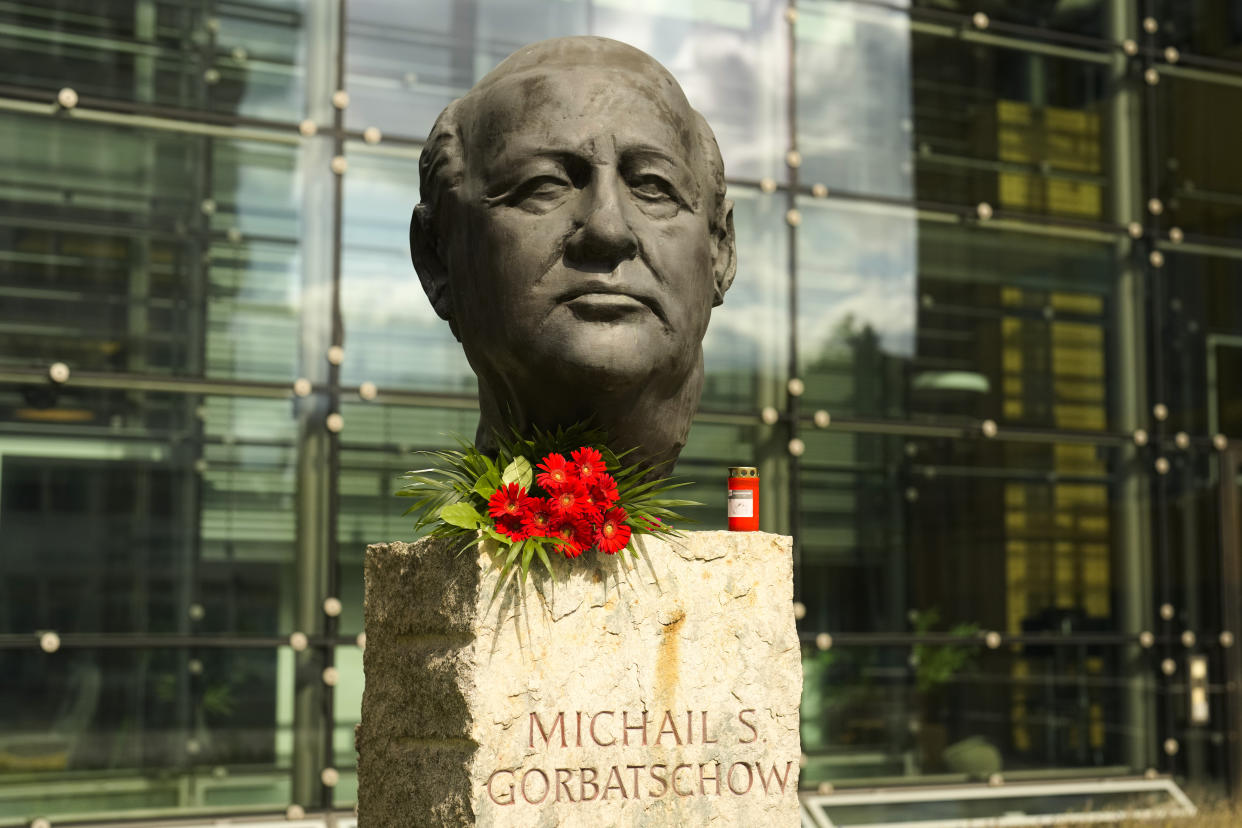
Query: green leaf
519	471
461	514
543	556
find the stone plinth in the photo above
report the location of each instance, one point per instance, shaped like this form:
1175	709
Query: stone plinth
657	691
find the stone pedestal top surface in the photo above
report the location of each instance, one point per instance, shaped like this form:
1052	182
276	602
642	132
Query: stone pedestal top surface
657	690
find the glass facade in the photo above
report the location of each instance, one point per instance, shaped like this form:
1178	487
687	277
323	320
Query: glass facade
984	345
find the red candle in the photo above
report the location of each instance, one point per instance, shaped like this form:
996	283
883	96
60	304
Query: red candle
743	499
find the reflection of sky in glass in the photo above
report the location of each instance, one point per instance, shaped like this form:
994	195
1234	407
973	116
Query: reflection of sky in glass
857	267
729	57
393	337
746	346
854	118
727	54
253	313
272	59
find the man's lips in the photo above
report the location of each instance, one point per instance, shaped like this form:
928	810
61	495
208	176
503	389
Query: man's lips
604	300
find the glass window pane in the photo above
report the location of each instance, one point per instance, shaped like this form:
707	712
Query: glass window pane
115	526
856	304
959	712
97	732
244	59
854	100
1201	29
1021	130
1004	325
1005	535
745	351
1201	345
396	340
116	261
1200	167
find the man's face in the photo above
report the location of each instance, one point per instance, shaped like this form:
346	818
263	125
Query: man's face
579	243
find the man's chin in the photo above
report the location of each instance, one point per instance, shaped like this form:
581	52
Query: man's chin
605	370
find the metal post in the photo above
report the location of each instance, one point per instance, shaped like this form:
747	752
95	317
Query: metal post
314	484
1133	561
1231	612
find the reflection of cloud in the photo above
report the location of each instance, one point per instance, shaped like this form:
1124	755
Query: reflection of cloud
888	309
854	97
731	72
860	262
386	298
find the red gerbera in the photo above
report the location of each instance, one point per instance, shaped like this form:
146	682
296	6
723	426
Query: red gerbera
507	501
592	507
569	501
512	527
573	536
537	520
588	462
613	533
604	490
555	472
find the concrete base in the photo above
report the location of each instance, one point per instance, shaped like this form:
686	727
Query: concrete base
657	691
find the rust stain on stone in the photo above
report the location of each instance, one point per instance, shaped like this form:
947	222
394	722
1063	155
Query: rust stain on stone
668	656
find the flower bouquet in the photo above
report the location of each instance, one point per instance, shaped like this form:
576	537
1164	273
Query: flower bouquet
561	493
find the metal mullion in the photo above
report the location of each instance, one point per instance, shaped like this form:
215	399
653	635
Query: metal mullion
152	116
120	381
884	639
1195	74
332	585
792	411
965	32
1230	517
1155	302
1019	30
999	166
971	429
1208	246
145	641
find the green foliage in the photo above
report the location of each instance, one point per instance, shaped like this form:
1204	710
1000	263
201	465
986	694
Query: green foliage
936	664
450	497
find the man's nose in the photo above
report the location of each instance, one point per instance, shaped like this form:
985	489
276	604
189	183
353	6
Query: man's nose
605	238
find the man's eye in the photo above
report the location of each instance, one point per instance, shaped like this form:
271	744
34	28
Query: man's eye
653	188
543	186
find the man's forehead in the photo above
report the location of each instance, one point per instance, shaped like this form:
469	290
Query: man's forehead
583	103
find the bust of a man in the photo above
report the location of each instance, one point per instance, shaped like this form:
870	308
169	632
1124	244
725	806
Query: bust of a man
574	233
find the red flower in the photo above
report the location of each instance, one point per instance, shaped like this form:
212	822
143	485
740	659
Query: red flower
588	463
537	520
613	533
592	508
509	505
507	501
604	490
569	502
512	527
573	537
555	472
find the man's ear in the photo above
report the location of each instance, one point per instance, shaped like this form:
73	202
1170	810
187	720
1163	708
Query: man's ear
724	256
425	253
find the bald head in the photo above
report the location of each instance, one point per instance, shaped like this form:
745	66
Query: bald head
575	54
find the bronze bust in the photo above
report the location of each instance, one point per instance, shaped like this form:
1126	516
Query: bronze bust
574	233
